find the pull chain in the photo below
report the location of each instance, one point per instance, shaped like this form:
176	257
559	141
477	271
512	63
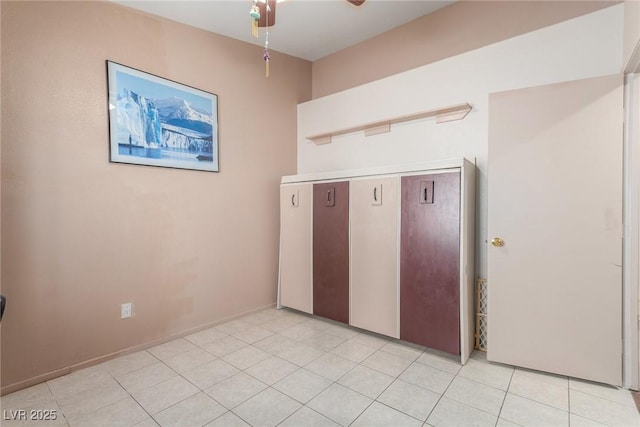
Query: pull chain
266	55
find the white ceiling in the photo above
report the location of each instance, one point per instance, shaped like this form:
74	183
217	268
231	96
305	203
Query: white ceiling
308	29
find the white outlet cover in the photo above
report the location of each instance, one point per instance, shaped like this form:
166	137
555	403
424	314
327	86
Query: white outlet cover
125	310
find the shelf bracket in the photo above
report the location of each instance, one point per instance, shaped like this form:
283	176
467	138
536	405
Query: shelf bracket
375	130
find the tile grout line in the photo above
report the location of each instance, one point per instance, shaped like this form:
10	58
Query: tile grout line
184	378
302	405
239	371
355	391
270	386
592	395
441	396
257	379
372	400
397	410
338	384
57	404
136	400
127	391
601	397
505	395
298	367
484	384
66	417
457	375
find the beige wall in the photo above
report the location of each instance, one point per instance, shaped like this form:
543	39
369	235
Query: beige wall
81	235
455	29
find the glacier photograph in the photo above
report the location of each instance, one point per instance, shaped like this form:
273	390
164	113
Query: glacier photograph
158	122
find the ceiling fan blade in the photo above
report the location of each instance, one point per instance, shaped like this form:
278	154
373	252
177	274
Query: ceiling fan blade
356	2
262	5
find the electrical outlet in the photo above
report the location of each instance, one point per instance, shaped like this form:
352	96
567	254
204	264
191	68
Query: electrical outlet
125	310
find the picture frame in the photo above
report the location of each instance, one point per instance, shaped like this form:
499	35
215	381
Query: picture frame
154	121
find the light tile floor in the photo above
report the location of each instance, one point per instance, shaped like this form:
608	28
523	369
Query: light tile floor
280	367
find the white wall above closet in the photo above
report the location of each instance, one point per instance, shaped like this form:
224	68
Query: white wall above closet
587	46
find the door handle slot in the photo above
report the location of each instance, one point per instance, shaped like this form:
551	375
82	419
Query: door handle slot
426	192
295	198
377	195
331	197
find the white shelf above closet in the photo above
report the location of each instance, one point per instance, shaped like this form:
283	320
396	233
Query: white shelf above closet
442	115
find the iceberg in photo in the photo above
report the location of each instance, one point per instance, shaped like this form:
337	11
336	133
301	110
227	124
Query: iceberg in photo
161	123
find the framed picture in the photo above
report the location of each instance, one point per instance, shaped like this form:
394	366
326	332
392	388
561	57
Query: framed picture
158	122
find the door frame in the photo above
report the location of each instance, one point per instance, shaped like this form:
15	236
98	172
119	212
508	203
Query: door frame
631	243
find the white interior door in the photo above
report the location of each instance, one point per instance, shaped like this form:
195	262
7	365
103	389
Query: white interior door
555	200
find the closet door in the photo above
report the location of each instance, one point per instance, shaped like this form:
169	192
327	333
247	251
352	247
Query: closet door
295	247
430	261
331	250
374	255
555	228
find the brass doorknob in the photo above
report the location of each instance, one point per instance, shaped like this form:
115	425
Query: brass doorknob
496	241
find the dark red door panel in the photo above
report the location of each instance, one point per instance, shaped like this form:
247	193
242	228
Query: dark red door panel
430	261
331	250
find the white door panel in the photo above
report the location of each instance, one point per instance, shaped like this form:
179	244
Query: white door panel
374	292
555	198
295	289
